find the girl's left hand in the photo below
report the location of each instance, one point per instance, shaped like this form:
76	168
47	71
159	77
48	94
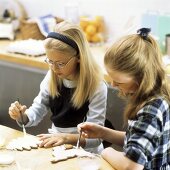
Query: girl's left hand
51	140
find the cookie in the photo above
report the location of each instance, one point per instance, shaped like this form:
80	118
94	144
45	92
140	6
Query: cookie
68	146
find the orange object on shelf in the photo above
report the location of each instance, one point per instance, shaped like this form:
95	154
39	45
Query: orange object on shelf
94	28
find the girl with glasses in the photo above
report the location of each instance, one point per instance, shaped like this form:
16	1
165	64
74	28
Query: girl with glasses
135	65
72	90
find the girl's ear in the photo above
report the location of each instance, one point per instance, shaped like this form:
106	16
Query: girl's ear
78	60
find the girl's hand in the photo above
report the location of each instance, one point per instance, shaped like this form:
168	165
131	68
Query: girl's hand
51	140
90	130
15	109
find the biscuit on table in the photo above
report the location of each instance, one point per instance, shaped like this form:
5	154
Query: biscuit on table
59	158
68	146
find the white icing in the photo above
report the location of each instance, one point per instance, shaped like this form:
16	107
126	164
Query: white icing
26	142
2	142
60	153
6	159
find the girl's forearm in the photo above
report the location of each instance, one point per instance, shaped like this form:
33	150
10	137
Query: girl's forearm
114	157
113	136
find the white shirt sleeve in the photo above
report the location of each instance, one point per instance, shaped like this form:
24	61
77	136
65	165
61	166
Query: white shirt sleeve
97	111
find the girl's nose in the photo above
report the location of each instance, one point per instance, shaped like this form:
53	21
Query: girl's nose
113	84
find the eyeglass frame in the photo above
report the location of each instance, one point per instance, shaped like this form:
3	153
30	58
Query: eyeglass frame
56	63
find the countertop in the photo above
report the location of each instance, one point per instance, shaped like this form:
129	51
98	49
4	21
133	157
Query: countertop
38	62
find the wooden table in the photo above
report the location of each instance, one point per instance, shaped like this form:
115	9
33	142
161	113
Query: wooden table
38	159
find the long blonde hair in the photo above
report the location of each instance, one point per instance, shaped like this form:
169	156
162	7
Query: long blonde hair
141	59
89	74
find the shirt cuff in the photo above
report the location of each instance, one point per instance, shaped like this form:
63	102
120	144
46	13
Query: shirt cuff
135	155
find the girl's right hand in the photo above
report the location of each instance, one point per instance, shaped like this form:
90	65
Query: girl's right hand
15	109
90	130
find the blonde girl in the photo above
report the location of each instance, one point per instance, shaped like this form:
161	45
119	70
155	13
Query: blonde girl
73	89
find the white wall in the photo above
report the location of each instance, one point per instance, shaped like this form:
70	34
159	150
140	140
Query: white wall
121	16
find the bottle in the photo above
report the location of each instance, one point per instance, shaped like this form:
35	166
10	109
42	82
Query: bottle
6	16
168	44
72	13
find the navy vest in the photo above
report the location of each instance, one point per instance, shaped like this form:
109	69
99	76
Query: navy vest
64	115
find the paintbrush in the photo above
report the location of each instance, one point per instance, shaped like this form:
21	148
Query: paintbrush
22	121
78	141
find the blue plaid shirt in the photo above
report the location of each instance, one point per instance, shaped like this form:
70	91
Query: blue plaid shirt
147	140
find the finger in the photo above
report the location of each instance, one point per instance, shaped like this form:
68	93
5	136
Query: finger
12	115
81	125
18	107
40	135
17	104
44	136
13	112
86	125
79	128
49	143
23	108
58	143
42	143
85	135
14	108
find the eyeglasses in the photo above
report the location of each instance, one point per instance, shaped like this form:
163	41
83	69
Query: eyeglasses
57	64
